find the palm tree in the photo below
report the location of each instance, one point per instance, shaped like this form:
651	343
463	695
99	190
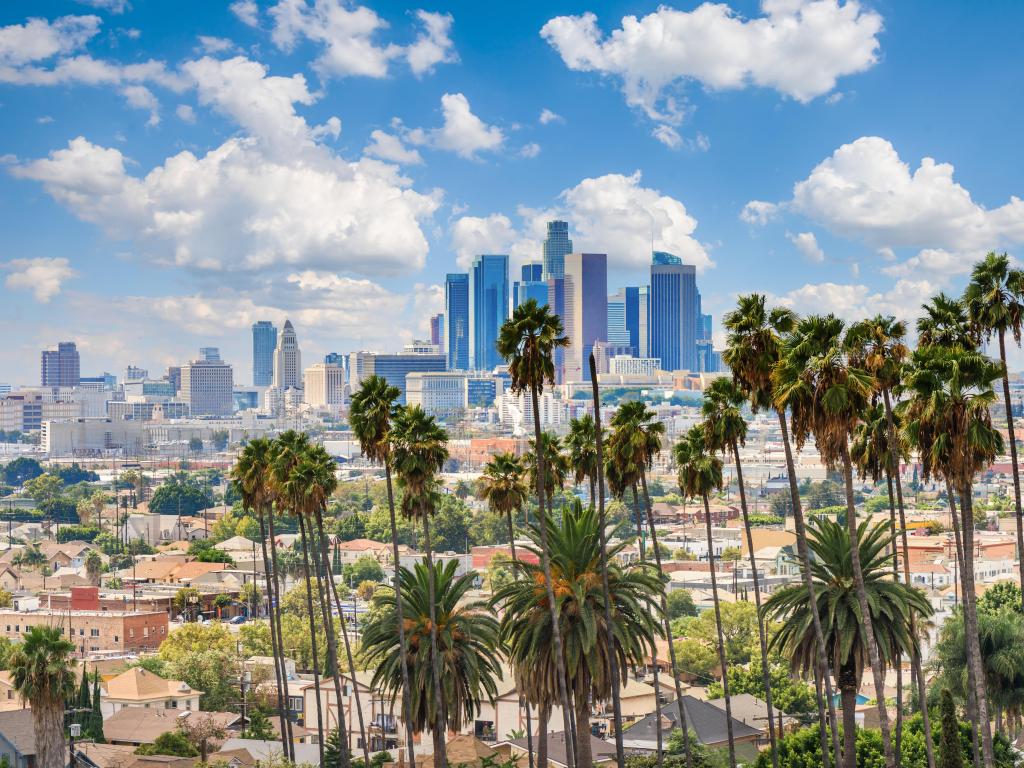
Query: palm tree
42	672
995	304
252	477
419	451
29	556
555	463
725	429
945	323
700	474
827	394
526	626
370	415
528	341
839	603
948	419
753	349
439	614
581	444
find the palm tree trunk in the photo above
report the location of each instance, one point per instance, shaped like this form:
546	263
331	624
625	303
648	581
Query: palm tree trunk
287	734
402	643
275	641
440	721
584	755
915	657
898	661
48	725
1013	458
721	638
515	575
765	674
613	661
865	610
823	682
316	658
658	727
556	629
848	685
543	716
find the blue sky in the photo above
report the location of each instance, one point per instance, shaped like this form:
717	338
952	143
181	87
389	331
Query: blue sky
171	172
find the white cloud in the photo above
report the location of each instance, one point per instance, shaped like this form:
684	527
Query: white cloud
547	116
43	276
185	113
530	150
857	301
44	119
668	136
473	235
758	212
934	264
389	147
798	47
463	133
214	45
39	39
425	302
114	6
348	36
247	12
834	98
140	97
807	244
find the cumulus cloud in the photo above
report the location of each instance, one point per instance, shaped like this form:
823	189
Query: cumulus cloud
389	147
547	116
215	45
39	39
247	12
348	36
807	244
668	136
854	301
758	212
798	47
530	150
113	6
463	133
473	235
140	97
185	113
44	277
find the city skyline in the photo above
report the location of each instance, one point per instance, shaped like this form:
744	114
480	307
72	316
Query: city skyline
694	157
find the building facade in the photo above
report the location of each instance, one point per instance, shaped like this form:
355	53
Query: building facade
60	367
456	318
394	368
208	388
325	385
488	309
448	393
287	359
673	312
27	410
90	631
264	342
557	246
586	310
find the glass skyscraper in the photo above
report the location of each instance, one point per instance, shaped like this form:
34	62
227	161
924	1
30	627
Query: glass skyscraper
264	341
586	310
530	286
673	312
624	318
557	246
488	309
456	319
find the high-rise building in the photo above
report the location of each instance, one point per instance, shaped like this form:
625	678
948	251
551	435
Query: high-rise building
134	373
437	328
335	358
488	309
207	386
556	303
174	376
107	381
325	385
557	246
530	285
393	368
586	310
618	334
643	320
211	354
704	328
60	367
264	342
456	317
287	359
673	312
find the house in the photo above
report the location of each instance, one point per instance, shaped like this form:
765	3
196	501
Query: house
123	756
137	687
139	725
256	752
706	721
603	752
752	711
462	751
17	738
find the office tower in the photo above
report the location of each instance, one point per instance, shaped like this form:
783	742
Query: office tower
557	246
208	386
393	368
643	321
174	376
437	328
134	373
107	381
287	359
212	354
456	317
586	310
704	328
324	385
556	303
673	312
530	285
618	330
335	358
604	351
264	341
488	309
60	367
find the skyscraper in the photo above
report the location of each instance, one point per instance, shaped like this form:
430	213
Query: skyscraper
287	359
624	318
456	318
60	367
556	303
643	319
207	386
437	328
586	310
673	312
557	246
264	341
488	309
530	285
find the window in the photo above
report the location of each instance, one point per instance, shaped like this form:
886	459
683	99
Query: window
17	628
145	633
131	633
117	640
81	633
96	633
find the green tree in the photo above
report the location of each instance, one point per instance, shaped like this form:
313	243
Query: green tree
21	469
680	603
93	567
42	673
951	753
1002	596
259	727
182	495
173	743
195	445
791	694
366	568
219	439
581	445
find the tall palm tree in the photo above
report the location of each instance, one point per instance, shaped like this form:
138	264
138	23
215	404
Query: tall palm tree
251	476
700	475
419	451
528	341
836	596
42	672
581	445
725	430
945	323
753	349
827	395
439	613
370	415
552	459
995	304
526	626
948	419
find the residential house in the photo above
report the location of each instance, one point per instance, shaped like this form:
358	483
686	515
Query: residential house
603	751
137	687
705	720
17	738
141	725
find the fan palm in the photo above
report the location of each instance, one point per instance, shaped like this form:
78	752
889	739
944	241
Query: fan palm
528	341
725	429
42	672
552	459
995	305
827	394
700	474
838	600
753	349
947	418
581	445
419	450
945	323
439	614
527	630
370	415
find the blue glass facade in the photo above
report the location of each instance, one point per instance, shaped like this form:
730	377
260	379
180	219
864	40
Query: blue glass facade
673	313
456	318
488	309
556	302
264	341
480	393
394	368
530	286
557	246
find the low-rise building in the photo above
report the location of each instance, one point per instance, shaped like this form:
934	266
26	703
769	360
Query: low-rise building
137	687
91	630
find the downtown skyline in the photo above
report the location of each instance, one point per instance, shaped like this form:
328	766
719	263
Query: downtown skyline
104	247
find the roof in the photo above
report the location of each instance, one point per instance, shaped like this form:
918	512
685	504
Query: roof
16	729
361	545
705	720
140	725
750	710
601	750
261	750
235	544
461	750
123	756
138	684
766	537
